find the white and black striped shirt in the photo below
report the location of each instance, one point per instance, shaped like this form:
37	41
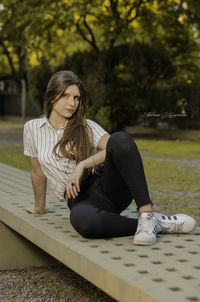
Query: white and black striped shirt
39	140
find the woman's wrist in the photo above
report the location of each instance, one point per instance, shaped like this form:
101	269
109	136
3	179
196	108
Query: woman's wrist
88	162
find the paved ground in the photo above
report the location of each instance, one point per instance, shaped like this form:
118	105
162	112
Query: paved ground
10	136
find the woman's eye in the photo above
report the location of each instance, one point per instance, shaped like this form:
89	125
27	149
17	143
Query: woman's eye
66	96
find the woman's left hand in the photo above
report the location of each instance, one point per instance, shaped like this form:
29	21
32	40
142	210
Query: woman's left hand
75	178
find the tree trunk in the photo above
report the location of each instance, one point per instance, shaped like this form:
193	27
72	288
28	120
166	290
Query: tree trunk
23	98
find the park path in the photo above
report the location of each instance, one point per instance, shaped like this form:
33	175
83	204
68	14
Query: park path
11	136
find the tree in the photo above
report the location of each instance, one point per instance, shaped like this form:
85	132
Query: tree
134	55
13	43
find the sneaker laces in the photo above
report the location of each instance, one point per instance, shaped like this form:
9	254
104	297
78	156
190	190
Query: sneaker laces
174	226
147	224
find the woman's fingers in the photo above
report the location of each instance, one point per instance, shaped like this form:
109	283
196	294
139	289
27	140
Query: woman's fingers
73	189
73	184
77	185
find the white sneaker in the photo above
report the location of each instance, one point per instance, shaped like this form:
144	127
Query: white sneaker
148	226
179	223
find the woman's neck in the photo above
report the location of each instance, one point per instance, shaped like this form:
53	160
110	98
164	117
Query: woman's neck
57	122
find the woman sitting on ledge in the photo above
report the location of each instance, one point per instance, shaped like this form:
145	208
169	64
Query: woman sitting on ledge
97	173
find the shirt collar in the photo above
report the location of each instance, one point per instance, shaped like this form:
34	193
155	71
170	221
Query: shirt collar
44	120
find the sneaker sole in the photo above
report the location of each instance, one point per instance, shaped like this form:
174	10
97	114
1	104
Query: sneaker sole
144	242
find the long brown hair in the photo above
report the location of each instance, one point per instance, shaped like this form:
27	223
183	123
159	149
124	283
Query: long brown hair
77	136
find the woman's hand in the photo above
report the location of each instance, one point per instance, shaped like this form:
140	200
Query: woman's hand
75	178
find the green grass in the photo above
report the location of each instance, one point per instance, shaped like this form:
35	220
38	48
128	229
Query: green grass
171	176
173	187
16	122
11	123
170	149
13	156
154	133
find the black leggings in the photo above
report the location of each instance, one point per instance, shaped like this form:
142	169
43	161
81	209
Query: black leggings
95	212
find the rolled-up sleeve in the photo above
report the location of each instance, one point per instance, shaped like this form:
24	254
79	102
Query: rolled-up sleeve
28	141
97	131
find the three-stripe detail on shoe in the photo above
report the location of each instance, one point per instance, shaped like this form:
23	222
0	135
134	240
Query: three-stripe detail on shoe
169	217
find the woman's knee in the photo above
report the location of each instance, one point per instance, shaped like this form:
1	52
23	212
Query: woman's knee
86	221
121	141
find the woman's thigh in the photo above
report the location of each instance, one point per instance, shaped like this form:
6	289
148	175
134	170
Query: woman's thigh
113	186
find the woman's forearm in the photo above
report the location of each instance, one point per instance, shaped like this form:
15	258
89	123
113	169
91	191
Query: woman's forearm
39	183
96	159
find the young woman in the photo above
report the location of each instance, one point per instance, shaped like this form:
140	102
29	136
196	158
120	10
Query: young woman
97	173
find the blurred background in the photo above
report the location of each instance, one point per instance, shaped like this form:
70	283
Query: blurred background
139	59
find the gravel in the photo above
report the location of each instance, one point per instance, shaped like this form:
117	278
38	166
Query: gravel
52	284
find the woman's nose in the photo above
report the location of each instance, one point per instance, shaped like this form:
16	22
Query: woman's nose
71	101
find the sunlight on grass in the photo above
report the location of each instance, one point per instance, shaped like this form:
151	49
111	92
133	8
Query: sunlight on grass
13	156
171	176
170	149
173	188
11	123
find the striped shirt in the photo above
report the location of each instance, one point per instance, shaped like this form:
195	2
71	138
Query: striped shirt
39	140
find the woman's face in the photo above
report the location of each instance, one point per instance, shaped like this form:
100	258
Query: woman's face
68	103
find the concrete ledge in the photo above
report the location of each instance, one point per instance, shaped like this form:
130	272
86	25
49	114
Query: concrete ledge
16	251
167	271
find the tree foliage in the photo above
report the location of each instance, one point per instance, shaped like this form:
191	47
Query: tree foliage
134	55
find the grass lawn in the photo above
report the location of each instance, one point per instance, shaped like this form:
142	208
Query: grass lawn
13	156
15	123
170	148
173	186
